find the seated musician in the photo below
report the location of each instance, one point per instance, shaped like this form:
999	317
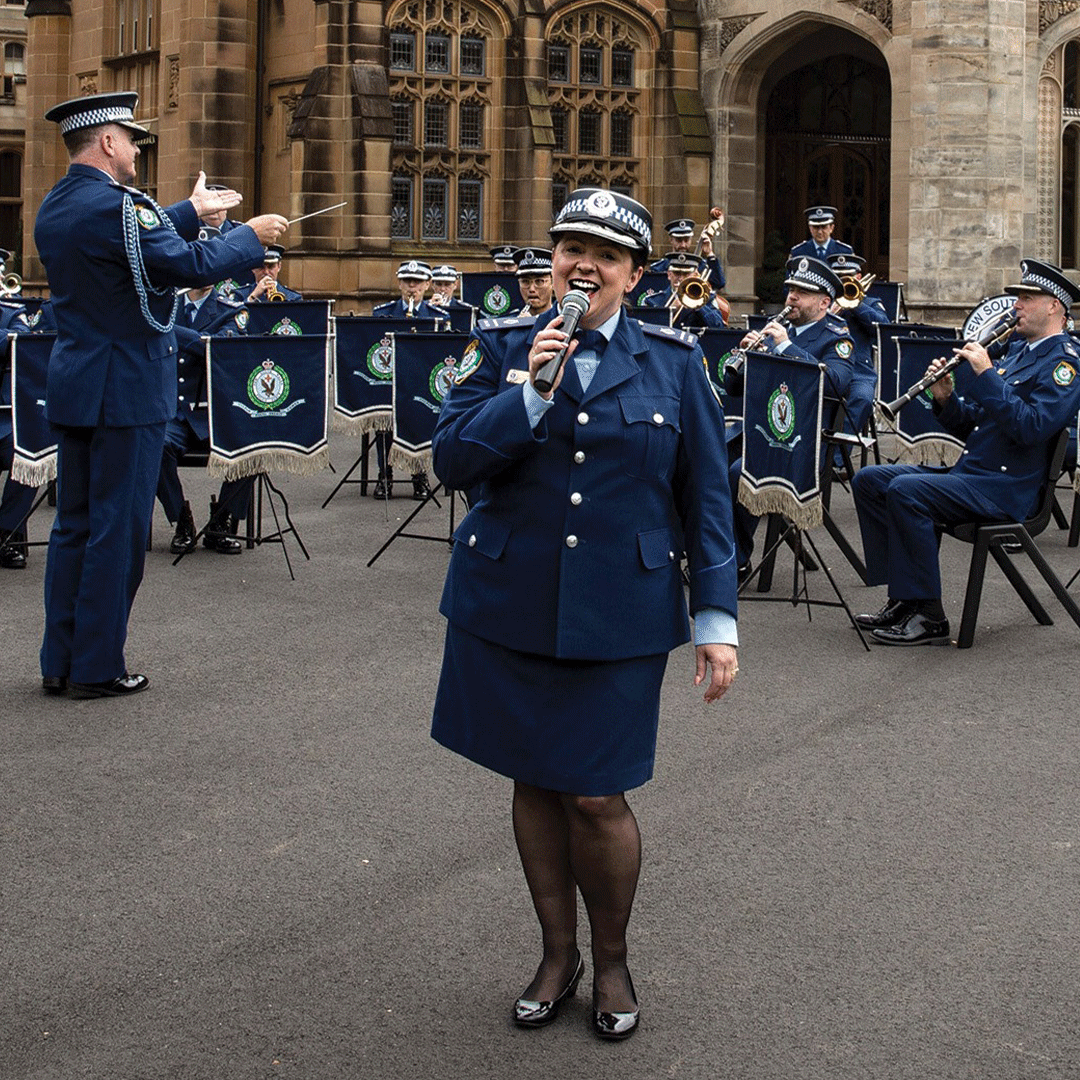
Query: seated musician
17	498
681	267
534	279
267	280
203	311
821	221
220	220
1009	417
502	257
810	333
444	283
681	233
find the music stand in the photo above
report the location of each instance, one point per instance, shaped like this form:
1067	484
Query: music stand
430	497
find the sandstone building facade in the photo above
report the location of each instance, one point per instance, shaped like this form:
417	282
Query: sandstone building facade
946	131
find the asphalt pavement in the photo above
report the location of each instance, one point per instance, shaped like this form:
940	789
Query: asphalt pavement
858	866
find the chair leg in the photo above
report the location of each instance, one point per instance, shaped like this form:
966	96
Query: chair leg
1016	580
1074	525
973	594
1059	514
1051	579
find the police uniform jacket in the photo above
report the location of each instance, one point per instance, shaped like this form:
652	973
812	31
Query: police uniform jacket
1008	418
688	319
862	322
217	316
396	309
809	248
109	366
571	548
827	341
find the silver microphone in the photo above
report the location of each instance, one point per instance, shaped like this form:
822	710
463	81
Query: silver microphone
573	307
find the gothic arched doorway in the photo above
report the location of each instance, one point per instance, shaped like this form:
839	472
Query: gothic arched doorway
827	141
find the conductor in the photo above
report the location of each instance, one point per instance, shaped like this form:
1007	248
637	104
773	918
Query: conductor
114	259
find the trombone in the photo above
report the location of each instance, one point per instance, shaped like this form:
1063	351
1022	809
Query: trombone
855	290
692	293
11	285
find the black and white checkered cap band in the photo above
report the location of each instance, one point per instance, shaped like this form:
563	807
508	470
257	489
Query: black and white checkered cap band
580	212
118	114
1052	287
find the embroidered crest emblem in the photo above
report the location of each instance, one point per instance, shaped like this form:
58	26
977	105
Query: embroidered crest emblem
268	385
33	320
496	300
286	328
1064	374
241	319
803	266
781	414
146	217
380	359
843	349
470	361
442	378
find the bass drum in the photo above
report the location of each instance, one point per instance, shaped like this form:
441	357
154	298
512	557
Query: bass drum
988	311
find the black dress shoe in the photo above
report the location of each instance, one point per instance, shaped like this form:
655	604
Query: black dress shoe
118	687
12	555
538	1013
222	543
615	1025
420	489
183	541
384	488
893	612
54	684
916	629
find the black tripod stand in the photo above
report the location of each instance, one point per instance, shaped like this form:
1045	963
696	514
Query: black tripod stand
430	497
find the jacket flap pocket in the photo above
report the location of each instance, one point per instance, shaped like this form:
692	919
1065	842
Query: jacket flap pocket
657	547
654	409
486	535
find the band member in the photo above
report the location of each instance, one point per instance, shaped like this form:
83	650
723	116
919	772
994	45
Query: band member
821	220
114	260
1009	416
268	285
502	256
17	498
224	224
413	278
564	593
203	312
682	266
812	334
534	279
681	233
862	320
444	283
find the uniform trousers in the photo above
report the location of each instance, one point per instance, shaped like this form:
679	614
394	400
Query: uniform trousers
104	498
235	495
17	498
900	508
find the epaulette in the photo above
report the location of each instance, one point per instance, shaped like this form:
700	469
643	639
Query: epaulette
388	304
837	327
1069	348
507	322
12	304
668	333
229	301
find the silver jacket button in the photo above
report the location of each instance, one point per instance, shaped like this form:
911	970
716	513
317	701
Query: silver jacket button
579	457
582	417
472	540
576	498
1004	469
571	541
658	418
671	556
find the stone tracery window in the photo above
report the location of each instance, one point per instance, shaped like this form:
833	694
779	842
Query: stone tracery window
438	71
594	55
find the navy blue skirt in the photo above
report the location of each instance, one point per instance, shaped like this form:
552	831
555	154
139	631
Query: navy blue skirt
586	727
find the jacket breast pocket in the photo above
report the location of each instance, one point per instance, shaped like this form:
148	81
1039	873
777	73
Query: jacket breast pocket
650	434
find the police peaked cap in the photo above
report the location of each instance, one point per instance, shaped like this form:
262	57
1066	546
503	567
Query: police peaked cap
680	227
820	215
503	253
93	110
846	264
273	253
444	273
607	214
1044	277
533	262
814	276
414	270
685	260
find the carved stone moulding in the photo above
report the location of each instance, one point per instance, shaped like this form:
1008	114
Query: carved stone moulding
1052	10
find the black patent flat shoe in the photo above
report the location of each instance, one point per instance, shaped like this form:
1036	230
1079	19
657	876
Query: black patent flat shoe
615	1025
893	612
916	629
121	686
538	1013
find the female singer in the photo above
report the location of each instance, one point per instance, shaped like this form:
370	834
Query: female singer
564	593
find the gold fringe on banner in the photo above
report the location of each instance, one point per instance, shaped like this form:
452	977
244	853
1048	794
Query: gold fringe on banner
412	460
927	452
772	499
360	425
290	461
33	473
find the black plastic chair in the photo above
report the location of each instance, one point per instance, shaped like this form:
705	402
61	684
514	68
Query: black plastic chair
1005	538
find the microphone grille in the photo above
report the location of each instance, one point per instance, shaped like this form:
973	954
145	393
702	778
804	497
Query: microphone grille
574	299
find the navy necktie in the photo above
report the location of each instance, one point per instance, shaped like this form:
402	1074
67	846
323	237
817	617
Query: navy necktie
591	339
192	312
820	252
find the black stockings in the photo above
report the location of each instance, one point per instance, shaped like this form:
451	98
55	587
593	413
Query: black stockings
571	842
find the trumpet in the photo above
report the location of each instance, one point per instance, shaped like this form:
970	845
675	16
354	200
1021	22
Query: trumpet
854	292
274	294
410	308
11	285
737	357
990	335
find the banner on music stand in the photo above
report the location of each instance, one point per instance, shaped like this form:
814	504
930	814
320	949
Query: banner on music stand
920	438
289	318
782	403
650	283
267	404
424	368
364	369
34	460
493	294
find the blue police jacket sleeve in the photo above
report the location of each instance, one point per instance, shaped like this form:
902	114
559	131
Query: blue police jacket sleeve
703	494
868	314
483	427
185	218
1050	407
172	260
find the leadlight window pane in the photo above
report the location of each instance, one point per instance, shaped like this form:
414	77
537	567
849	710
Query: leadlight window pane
470	209
403	51
437	54
558	63
435	116
621	134
590	64
471	135
472	56
560	192
623	189
401	208
10	176
622	67
403	123
559	123
433	225
589	133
